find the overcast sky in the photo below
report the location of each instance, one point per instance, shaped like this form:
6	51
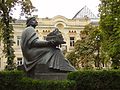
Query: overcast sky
67	8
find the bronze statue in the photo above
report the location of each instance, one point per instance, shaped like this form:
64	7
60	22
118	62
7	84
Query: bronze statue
43	52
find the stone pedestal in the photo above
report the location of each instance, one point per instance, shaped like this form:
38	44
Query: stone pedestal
51	76
42	72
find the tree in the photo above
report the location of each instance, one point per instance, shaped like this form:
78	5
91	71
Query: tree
85	48
110	26
6	10
73	58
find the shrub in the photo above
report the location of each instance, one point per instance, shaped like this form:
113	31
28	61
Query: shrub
29	84
96	80
9	79
16	80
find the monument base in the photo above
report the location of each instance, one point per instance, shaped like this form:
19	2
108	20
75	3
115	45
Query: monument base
50	76
42	72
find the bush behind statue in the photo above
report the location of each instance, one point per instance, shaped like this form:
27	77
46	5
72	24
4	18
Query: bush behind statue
96	80
16	80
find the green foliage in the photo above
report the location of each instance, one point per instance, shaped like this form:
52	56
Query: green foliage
9	79
96	80
15	80
29	84
85	48
110	26
73	58
6	29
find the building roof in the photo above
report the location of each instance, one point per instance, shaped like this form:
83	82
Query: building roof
84	12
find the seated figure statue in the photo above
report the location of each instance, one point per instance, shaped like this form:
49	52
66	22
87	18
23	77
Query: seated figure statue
37	52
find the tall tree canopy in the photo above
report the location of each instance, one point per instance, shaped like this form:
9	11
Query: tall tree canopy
85	48
110	26
7	8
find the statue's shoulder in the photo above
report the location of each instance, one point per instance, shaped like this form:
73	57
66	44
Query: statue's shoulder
28	31
29	28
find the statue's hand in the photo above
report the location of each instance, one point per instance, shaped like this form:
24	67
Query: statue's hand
53	43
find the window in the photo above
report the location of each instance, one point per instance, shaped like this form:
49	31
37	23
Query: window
60	26
71	41
18	40
19	61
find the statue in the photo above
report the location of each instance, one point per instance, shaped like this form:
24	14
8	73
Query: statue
46	52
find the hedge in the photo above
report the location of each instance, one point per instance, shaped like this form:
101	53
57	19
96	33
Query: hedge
29	84
79	80
96	80
9	78
16	80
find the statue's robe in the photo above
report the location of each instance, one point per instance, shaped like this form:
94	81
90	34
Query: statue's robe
41	54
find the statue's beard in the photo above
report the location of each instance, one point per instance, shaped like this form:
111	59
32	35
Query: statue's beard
34	26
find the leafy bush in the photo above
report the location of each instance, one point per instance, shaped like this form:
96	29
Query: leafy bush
15	80
96	80
29	84
9	79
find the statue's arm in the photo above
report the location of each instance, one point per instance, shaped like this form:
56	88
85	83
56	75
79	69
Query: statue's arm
34	41
38	43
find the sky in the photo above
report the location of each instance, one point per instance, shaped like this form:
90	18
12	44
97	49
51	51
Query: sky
66	8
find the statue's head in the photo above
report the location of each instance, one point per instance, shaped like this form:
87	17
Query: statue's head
31	22
56	35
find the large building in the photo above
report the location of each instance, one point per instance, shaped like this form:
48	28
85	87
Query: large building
70	29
